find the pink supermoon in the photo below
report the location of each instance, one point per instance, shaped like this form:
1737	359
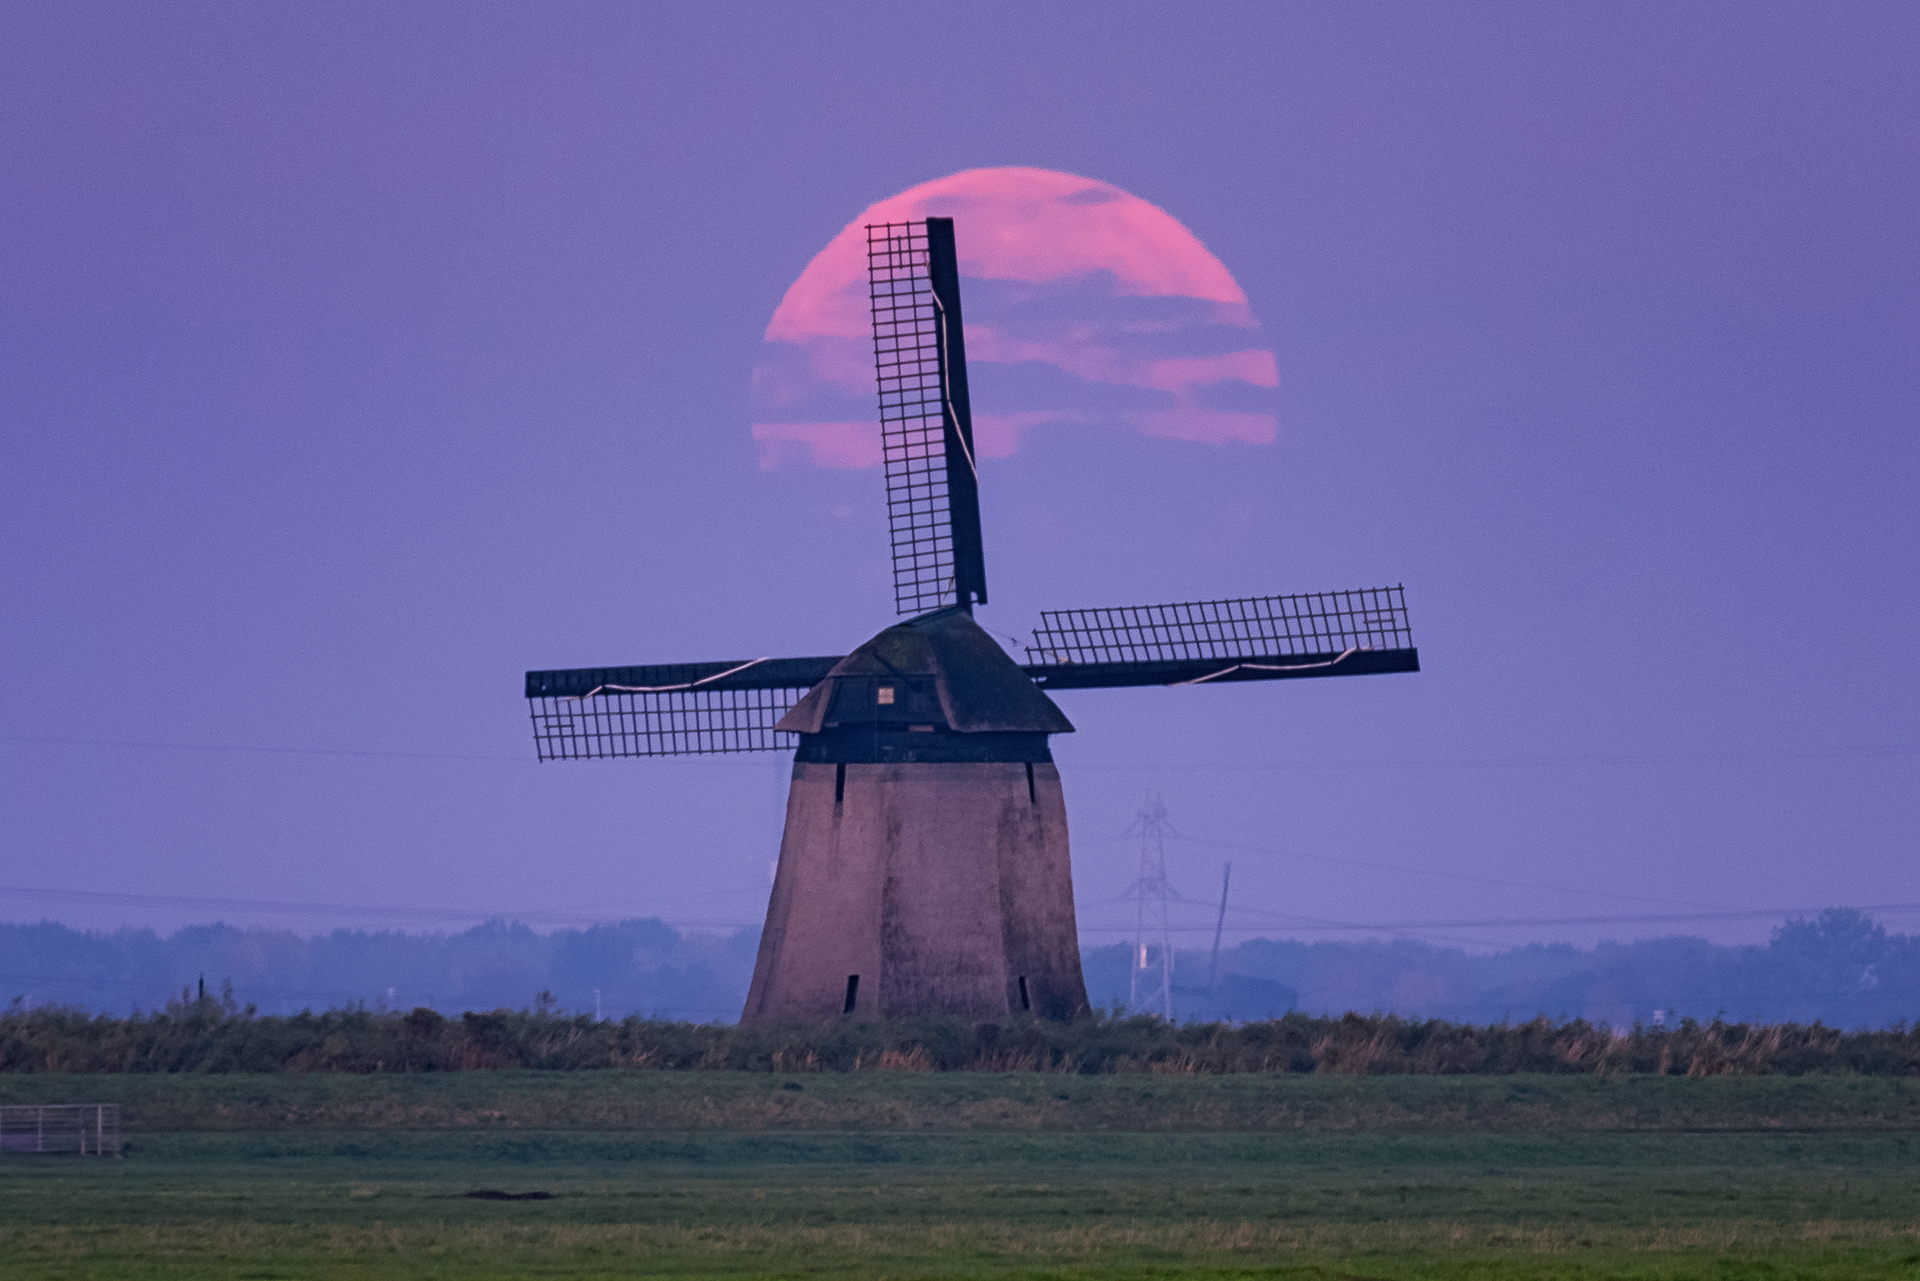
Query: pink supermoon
1085	306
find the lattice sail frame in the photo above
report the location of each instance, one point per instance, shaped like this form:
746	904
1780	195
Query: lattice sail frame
1310	625
907	366
698	722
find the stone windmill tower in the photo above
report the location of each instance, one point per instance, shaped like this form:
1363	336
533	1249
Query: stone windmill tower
924	867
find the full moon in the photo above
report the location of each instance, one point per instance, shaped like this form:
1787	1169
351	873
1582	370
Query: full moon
1085	306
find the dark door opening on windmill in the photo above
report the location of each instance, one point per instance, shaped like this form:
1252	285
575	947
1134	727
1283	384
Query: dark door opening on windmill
1026	1002
853	993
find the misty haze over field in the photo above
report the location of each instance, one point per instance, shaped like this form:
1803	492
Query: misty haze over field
1841	969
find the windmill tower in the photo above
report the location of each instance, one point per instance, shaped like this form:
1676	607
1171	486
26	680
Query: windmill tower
924	867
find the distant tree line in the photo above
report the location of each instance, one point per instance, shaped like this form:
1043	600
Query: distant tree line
212	1034
642	967
1840	969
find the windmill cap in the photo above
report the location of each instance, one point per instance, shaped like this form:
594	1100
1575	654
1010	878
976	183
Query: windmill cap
939	669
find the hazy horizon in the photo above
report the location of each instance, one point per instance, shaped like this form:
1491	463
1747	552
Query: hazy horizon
1841	968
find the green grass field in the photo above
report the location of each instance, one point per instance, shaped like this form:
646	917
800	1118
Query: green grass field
898	1174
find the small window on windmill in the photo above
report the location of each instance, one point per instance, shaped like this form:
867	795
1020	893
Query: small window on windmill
886	696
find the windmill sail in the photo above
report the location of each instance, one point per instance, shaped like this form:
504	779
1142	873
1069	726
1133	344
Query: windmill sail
1352	633
697	709
926	419
669	709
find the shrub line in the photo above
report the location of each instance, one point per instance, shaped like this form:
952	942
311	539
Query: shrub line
208	1036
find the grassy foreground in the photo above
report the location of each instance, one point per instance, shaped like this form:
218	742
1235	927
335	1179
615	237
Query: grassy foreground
976	1176
1023	1101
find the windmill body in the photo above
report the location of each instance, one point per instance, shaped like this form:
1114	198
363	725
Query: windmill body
924	867
924	864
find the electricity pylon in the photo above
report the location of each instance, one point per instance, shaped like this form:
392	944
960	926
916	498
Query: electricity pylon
1151	987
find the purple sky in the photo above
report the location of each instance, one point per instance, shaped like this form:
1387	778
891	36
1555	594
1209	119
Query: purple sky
357	359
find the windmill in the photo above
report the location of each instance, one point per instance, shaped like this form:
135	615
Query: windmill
924	865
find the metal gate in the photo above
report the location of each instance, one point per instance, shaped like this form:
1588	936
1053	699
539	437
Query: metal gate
83	1129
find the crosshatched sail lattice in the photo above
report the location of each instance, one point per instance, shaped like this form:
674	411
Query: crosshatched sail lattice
1309	625
699	722
907	364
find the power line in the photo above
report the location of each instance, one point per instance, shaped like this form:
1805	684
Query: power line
1512	762
1431	871
275	907
1286	920
1664	918
266	751
1651	918
1460	762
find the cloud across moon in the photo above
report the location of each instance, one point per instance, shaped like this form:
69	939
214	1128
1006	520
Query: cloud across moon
1084	306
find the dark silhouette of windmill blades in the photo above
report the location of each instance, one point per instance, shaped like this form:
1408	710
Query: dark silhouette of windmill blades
1353	633
690	709
926	416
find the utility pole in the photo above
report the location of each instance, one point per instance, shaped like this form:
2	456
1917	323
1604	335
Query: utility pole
1213	967
1148	989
